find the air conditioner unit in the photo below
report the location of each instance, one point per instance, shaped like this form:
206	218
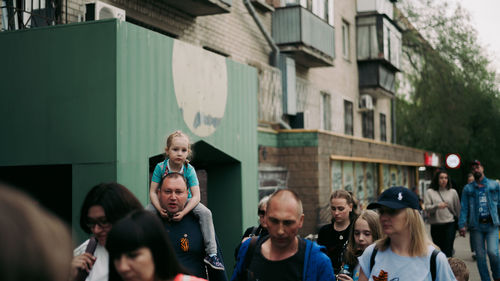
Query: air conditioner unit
365	103
97	10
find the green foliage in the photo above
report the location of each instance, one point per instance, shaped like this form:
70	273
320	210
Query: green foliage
454	104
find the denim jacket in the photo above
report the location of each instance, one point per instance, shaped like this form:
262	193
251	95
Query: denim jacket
469	213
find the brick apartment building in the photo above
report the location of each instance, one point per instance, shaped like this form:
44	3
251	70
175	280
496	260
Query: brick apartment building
326	74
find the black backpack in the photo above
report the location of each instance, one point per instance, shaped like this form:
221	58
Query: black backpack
248	258
432	261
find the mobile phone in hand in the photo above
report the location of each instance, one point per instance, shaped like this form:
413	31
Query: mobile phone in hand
91	246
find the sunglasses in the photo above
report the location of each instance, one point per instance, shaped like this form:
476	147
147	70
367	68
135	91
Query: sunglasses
261	212
102	222
388	211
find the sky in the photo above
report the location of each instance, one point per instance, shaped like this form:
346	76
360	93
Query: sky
486	19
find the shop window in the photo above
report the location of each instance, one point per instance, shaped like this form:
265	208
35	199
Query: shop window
348	175
358	177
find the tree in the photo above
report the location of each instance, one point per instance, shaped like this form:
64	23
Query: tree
453	105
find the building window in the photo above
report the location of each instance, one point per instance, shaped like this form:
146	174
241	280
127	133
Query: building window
368	124
383	128
348	118
325	112
345	40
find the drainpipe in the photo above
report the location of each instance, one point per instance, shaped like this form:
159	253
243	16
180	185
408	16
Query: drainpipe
276	51
275	54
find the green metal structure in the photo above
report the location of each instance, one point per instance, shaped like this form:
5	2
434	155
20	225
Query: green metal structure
99	97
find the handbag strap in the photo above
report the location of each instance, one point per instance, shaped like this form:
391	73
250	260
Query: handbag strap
449	209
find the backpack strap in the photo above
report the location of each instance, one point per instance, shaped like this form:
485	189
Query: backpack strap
433	263
254	231
248	257
372	259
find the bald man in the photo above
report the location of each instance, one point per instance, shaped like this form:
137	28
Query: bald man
282	255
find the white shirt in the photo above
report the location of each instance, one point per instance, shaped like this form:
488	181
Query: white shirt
400	268
100	269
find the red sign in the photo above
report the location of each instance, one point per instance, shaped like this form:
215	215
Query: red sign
431	159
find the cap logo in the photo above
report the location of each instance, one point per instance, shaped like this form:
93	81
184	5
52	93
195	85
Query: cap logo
400	196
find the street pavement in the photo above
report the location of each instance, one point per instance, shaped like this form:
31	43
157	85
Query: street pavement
462	251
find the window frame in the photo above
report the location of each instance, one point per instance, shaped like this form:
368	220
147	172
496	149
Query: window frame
348	115
383	127
326	111
346	40
367	124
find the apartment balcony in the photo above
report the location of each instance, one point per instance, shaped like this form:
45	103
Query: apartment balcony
376	6
197	8
304	36
376	79
379	47
23	14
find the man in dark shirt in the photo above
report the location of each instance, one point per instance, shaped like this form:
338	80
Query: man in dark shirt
283	255
185	235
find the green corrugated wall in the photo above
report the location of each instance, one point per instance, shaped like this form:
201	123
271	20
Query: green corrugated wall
99	96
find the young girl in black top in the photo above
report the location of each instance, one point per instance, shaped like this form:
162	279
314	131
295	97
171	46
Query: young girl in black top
335	236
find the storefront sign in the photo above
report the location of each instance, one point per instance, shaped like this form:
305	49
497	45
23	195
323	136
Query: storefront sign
431	159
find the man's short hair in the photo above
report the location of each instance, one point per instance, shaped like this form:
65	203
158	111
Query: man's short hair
459	269
172	175
291	192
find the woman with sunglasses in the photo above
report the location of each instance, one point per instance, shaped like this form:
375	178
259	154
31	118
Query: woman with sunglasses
105	204
404	252
259	230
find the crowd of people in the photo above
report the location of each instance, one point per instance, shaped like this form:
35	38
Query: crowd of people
173	238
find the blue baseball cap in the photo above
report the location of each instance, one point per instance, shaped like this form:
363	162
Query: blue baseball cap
396	197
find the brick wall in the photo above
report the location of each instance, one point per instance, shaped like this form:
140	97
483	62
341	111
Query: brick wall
306	157
234	33
303	178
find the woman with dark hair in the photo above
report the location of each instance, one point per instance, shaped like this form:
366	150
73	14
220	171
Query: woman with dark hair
104	205
139	250
443	207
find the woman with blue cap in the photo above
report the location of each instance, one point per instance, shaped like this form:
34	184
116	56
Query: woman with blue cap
405	252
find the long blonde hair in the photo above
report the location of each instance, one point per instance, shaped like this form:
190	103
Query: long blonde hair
372	218
418	236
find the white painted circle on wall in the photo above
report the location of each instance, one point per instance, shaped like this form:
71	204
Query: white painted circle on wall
200	85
